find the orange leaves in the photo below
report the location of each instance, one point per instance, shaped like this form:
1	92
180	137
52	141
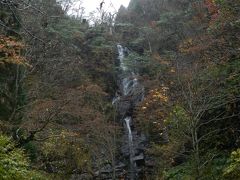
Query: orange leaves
207	48
197	45
10	50
95	89
41	108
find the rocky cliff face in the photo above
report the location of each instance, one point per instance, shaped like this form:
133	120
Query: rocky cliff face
130	93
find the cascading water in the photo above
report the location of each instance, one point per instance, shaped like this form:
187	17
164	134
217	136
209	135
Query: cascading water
121	57
131	148
131	92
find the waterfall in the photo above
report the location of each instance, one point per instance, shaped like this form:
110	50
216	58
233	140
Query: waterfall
121	57
130	93
131	147
130	138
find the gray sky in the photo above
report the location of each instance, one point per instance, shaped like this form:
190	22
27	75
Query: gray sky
91	5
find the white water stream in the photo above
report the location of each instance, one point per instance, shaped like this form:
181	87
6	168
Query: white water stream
133	90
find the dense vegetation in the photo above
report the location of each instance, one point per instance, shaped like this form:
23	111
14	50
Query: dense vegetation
58	77
191	70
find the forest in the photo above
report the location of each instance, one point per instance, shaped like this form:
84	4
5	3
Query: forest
145	92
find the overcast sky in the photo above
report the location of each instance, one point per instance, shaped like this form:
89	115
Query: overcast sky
91	5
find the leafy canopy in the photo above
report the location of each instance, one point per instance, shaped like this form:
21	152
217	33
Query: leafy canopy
14	165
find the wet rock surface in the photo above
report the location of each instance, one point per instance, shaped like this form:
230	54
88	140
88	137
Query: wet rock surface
131	162
130	93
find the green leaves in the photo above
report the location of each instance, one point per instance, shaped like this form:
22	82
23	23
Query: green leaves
227	75
179	172
178	118
143	64
232	171
13	162
167	18
67	28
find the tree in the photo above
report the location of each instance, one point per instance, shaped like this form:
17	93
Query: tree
232	170
14	164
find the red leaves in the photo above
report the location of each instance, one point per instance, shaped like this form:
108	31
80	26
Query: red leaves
211	6
10	50
212	9
153	24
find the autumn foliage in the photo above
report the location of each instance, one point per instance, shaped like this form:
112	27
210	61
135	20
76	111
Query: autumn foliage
10	50
151	113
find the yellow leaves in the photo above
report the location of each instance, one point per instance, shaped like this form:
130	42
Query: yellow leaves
161	97
92	89
164	62
153	110
172	70
156	97
185	46
232	76
67	134
190	40
160	94
156	56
